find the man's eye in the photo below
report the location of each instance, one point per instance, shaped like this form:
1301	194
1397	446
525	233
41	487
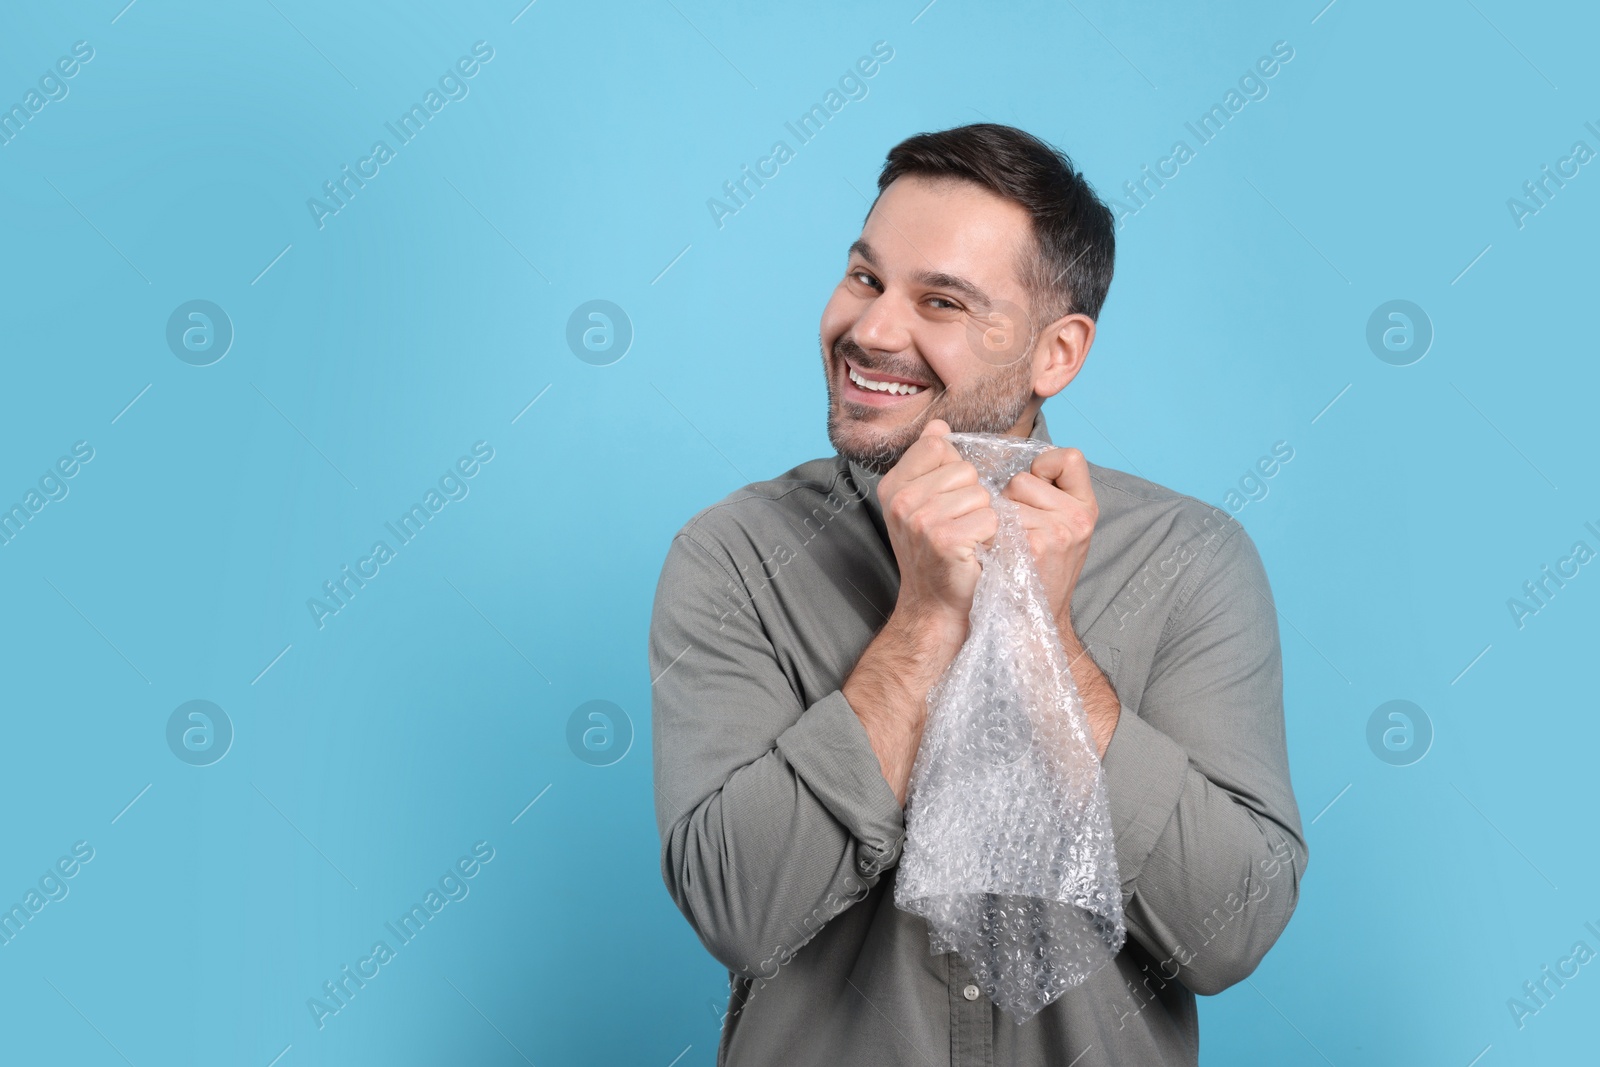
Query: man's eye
863	277
947	305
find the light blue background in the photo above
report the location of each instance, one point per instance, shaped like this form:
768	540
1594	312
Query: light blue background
428	313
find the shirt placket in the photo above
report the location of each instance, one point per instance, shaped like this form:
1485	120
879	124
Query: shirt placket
971	1018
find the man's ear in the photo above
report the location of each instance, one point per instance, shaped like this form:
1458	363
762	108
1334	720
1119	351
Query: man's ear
1063	348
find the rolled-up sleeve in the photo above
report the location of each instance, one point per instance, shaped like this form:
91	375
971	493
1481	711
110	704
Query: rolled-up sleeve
1208	838
774	815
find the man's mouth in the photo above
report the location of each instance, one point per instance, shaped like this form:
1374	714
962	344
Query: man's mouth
879	390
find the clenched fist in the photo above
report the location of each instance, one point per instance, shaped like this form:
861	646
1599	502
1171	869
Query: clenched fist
1058	511
937	514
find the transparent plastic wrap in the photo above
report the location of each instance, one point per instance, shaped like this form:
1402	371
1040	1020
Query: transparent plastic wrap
1008	853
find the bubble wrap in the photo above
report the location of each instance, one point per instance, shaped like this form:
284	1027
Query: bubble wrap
1008	853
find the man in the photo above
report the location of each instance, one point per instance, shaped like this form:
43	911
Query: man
800	622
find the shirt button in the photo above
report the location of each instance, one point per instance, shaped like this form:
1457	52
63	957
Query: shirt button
971	992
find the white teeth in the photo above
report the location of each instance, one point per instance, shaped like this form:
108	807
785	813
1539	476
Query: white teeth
898	388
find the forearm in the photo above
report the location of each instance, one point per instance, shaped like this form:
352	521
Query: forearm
773	814
1100	703
1210	850
1220	881
1209	844
888	689
743	865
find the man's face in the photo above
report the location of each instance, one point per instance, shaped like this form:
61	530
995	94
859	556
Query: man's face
931	298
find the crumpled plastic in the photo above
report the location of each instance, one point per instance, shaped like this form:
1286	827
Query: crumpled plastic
1008	854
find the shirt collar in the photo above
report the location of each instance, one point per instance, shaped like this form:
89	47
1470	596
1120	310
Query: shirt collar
868	482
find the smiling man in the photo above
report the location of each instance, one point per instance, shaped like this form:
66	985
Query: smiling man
800	622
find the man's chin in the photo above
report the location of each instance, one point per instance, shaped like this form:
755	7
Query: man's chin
874	450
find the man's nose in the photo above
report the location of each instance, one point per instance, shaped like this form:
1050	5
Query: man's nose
884	326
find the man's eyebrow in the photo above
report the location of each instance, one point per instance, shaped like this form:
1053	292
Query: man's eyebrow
935	279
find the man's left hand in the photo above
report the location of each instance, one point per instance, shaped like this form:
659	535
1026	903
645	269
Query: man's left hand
1056	505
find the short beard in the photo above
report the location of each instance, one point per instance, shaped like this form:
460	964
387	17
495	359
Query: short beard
992	404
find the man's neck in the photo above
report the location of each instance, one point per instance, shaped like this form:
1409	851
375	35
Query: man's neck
1024	425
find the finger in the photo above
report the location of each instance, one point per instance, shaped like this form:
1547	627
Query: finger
1049	528
928	451
1067	469
948	506
927	492
1058	525
917	509
913	494
975	527
1037	529
1029	488
948	476
1032	518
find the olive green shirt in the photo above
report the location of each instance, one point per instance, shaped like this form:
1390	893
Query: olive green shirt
780	834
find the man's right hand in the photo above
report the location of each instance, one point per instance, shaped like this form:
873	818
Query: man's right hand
937	513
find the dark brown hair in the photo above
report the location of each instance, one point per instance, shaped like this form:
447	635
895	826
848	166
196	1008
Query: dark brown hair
1073	230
